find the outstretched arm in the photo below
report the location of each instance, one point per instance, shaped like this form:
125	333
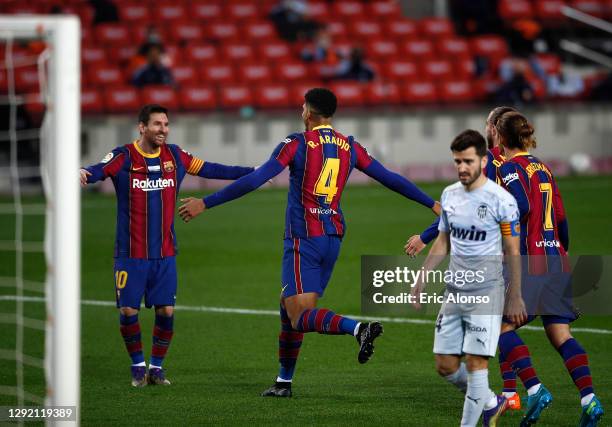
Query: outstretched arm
417	243
193	206
210	170
110	165
399	184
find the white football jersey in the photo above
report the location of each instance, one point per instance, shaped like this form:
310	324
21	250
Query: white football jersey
474	221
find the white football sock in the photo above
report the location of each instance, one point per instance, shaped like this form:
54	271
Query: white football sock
140	364
509	393
154	367
533	389
586	399
458	378
491	403
477	394
282	380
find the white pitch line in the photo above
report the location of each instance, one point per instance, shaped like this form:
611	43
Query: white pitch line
232	310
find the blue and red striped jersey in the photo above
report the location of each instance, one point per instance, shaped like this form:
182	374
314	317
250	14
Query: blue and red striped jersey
320	162
543	221
495	160
147	187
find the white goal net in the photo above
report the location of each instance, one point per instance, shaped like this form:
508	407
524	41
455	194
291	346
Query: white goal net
39	210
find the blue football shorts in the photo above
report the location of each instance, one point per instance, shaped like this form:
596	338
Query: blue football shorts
155	279
308	264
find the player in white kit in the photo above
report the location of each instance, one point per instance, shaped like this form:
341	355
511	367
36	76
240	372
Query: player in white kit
478	218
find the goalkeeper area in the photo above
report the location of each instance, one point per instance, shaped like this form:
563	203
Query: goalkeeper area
224	351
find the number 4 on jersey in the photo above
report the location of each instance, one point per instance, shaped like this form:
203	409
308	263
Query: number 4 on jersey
326	184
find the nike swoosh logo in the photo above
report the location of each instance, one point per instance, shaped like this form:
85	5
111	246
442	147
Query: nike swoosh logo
137	169
284	287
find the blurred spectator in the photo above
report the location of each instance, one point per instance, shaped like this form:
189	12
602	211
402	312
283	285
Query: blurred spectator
565	85
522	35
320	49
291	20
354	67
152	38
104	11
153	72
474	16
515	88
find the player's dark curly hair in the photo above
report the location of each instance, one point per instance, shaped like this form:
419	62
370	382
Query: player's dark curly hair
470	138
321	101
516	132
147	110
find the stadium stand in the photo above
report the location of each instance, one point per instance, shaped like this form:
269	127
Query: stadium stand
229	54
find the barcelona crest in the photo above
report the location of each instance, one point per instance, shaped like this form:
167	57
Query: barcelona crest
169	166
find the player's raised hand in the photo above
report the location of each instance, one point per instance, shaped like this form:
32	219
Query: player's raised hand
515	309
191	208
84	174
414	246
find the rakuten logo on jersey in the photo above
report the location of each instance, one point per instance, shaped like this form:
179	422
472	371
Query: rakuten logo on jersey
510	177
548	244
152	185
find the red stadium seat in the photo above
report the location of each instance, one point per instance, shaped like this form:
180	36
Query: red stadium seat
220	31
319	9
514	9
254	72
437	28
235	96
206	11
350	94
186	32
491	46
299	89
122	99
121	53
550	62
193	98
437	69
219	73
133	12
401	29
163	95
538	86
592	7
421	50
378	93
337	29
419	93
272	95
381	49
242	11
366	30
292	71
164	12
549	11
3	82
259	32
92	55
275	51
112	34
185	74
200	52
402	70
456	91
106	75
383	9
454	47
348	9
464	68
483	88
27	79
91	101
237	51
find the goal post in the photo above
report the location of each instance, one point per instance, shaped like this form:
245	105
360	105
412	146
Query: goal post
60	158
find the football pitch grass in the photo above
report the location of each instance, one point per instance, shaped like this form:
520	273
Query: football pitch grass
220	362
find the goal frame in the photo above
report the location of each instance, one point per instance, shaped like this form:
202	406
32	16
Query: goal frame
62	242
